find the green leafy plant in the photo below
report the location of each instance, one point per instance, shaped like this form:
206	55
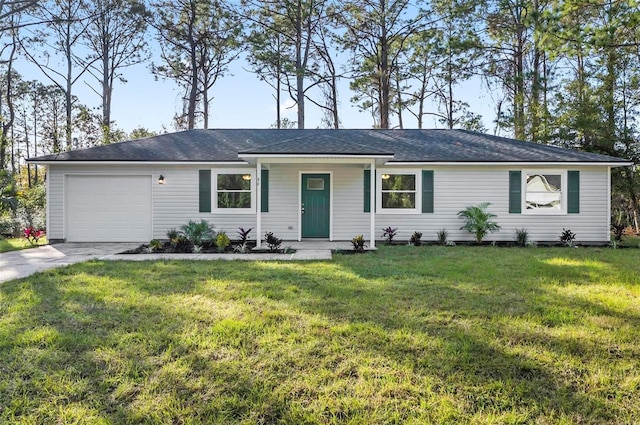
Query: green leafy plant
242	248
478	221
522	237
272	241
388	234
8	192
33	235
243	234
567	237
618	231
196	232
358	243
172	235
443	236
155	245
416	239
222	241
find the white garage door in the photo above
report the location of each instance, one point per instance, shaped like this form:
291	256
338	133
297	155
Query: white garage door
108	208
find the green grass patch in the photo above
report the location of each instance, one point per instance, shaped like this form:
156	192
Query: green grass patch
405	335
16	244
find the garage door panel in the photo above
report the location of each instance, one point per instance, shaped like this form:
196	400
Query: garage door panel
108	208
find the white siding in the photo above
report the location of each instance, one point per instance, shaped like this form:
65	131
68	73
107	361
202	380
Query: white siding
174	203
455	187
284	200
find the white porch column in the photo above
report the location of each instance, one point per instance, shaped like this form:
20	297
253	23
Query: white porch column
372	206
258	203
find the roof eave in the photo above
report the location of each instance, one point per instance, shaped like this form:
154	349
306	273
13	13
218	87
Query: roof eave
111	162
514	163
314	155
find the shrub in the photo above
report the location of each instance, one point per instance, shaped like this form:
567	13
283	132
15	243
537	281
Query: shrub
242	248
172	235
272	241
155	245
358	243
222	241
388	234
243	234
416	239
196	232
522	237
8	192
567	237
478	221
618	231
32	235
31	209
9	226
443	236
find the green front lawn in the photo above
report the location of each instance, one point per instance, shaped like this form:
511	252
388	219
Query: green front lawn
403	335
15	244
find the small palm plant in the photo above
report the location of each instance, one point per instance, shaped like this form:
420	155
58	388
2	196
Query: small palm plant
478	221
196	232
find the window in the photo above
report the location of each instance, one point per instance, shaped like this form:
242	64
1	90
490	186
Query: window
544	192
234	191
399	192
315	184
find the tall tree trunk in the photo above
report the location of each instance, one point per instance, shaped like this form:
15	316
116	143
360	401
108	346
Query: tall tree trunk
107	89
68	86
205	103
193	88
519	93
385	75
399	96
7	124
334	101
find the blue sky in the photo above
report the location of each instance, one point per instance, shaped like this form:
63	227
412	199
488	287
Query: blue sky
241	100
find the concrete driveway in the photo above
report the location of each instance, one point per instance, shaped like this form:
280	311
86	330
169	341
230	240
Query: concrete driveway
23	263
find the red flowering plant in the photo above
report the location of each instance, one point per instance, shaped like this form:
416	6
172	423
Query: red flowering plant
33	235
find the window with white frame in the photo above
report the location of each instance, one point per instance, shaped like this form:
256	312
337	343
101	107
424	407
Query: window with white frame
544	192
398	191
234	190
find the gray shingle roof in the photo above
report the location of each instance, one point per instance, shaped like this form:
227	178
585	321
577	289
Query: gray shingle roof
404	145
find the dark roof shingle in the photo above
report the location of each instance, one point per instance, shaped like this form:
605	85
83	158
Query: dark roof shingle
405	146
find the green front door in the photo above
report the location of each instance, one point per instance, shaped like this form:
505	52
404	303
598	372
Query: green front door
315	208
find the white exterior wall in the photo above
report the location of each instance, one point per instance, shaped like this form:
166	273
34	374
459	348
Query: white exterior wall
283	217
455	187
174	203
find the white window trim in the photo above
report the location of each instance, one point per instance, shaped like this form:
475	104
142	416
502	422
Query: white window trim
418	176
214	191
543	211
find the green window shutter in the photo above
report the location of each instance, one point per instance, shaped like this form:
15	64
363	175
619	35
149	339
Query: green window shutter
205	190
427	191
367	191
515	192
264	191
573	192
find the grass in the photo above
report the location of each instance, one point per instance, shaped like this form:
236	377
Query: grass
413	335
15	244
